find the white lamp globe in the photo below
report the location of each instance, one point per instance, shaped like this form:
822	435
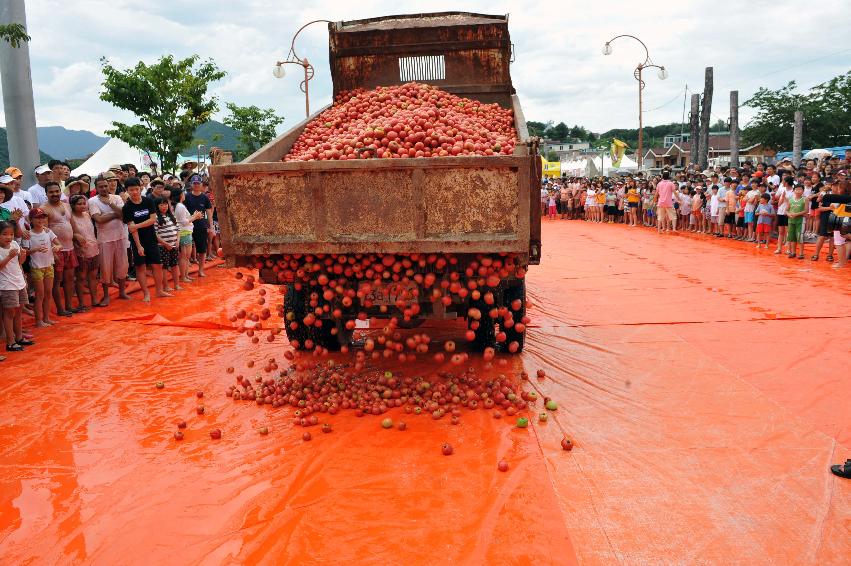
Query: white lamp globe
663	73
278	71
607	49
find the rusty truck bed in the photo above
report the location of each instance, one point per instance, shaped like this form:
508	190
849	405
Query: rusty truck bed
476	204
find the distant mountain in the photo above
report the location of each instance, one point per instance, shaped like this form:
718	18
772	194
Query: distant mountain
4	153
65	144
225	137
68	144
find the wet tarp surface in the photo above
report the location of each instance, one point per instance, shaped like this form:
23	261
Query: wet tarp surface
704	384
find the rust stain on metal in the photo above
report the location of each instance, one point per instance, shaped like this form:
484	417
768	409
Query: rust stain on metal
461	202
369	205
264	205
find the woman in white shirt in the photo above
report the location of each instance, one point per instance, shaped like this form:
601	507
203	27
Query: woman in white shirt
184	224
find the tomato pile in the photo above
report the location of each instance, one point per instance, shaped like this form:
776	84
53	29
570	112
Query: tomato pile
409	120
330	292
330	387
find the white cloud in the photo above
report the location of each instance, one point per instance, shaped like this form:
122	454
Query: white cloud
559	73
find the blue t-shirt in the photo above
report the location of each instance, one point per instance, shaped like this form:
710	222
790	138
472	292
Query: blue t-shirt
764	208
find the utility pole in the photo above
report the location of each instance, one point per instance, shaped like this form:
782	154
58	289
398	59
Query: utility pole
18	104
734	128
797	138
694	138
705	117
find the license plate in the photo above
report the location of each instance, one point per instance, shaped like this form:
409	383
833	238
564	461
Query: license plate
387	295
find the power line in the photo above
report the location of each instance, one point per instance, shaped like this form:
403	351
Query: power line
801	64
677	97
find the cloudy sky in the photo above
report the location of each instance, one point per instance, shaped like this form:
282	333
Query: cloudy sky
559	72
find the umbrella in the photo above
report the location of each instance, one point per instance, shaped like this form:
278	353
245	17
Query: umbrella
817	154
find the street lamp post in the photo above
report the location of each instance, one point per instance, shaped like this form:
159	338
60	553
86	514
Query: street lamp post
292	59
648	63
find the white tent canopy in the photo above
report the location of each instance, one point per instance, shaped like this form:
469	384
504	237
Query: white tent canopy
589	166
114	152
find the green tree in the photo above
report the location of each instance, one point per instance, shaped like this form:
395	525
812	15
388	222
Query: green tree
536	129
580	133
169	98
551	156
719	126
559	132
14	34
831	125
256	127
826	108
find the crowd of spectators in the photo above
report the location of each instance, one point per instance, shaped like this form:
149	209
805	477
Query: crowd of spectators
66	242
778	206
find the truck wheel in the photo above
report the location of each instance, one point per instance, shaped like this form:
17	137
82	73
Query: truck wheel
486	332
517	291
323	336
296	302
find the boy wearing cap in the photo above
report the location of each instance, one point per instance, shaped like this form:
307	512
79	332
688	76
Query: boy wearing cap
197	200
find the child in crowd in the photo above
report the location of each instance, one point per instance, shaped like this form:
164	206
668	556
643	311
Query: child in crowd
168	238
697	211
713	210
764	213
730	214
740	215
751	202
632	201
13	288
184	224
43	244
591	204
685	207
611	205
601	203
552	207
647	207
86	247
796	212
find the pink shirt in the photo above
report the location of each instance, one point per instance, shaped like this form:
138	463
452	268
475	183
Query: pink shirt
665	190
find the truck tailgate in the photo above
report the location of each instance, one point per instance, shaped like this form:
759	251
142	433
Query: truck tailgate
450	204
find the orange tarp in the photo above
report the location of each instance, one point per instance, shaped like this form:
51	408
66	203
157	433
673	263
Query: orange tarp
704	383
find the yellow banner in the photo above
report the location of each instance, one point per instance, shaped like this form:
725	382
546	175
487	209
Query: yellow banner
617	152
550	168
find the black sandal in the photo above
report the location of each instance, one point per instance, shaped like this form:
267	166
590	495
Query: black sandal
25	342
14	347
842	470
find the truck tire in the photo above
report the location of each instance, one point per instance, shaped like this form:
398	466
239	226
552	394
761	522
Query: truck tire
517	291
296	302
486	332
323	336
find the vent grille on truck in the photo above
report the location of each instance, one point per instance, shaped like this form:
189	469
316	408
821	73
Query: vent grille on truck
426	68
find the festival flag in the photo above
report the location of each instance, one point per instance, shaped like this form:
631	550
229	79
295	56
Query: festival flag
617	151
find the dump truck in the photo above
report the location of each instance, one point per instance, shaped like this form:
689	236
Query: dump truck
460	205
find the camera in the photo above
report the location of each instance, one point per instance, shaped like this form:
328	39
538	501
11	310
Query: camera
840	220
